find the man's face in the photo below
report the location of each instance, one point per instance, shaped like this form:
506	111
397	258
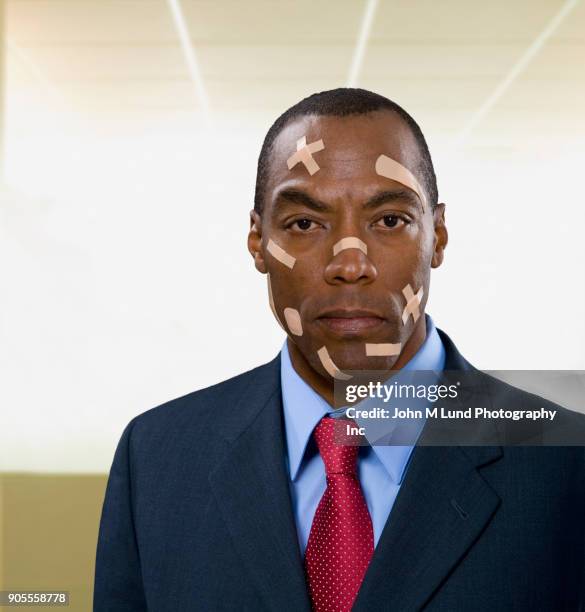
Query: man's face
349	299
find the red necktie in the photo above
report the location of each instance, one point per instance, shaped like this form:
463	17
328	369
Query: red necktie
341	541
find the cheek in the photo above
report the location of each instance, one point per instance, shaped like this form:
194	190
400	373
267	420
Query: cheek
272	302
408	263
403	280
287	292
293	287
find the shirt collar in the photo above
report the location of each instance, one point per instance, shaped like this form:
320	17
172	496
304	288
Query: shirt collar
304	408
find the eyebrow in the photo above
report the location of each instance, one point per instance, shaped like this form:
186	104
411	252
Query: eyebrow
386	197
296	196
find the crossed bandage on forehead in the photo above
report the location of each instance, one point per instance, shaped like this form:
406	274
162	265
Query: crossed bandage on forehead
304	155
385	166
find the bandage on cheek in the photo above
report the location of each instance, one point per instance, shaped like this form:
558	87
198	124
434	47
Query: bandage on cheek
383	350
280	254
391	169
293	320
351	242
413	301
329	366
304	155
271	302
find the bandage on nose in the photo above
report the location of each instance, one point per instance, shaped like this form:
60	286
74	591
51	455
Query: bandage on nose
391	169
350	242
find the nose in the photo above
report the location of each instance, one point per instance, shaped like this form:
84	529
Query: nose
350	266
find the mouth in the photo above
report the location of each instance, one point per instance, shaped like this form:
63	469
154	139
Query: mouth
347	323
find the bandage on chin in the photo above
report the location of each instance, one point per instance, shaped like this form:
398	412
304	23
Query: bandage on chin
391	169
383	349
329	366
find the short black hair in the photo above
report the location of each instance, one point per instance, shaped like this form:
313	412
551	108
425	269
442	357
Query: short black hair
343	102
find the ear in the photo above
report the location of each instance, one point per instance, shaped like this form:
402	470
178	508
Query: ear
255	241
441	235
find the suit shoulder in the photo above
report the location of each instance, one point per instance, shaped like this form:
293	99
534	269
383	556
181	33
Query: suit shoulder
211	402
531	401
566	428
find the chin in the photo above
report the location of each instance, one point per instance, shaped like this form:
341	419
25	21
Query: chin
360	362
375	364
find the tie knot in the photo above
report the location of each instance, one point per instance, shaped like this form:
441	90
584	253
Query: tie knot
338	459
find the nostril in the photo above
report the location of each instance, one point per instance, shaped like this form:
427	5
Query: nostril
350	266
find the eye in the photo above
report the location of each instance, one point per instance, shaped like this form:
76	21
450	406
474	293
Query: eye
391	221
302	225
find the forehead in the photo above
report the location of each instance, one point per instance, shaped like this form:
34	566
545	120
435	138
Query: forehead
351	146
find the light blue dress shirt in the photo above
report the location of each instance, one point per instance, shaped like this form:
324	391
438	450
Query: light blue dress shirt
381	469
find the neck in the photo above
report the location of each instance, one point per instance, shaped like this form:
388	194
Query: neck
324	385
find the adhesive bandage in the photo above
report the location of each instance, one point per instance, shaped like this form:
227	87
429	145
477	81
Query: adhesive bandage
351	242
271	302
304	154
413	301
293	320
280	254
391	169
383	350
329	366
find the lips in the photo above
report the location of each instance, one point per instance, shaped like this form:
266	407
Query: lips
350	322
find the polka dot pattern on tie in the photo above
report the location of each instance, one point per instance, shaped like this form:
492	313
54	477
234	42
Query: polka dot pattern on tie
341	541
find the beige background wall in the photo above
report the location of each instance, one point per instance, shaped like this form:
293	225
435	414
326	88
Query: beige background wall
49	531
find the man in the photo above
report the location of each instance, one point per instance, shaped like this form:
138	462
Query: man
237	497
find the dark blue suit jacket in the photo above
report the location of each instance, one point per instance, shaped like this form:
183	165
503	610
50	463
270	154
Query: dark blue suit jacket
197	516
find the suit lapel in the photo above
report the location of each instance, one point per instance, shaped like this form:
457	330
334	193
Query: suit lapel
441	509
251	489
